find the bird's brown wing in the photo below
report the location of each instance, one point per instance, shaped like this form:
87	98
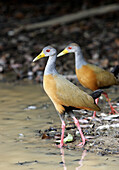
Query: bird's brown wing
103	77
70	95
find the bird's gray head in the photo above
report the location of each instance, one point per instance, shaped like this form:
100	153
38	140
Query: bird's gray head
71	48
47	51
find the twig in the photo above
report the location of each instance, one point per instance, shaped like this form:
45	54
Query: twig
110	117
70	17
104	127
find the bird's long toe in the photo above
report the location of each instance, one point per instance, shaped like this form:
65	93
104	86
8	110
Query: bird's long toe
113	111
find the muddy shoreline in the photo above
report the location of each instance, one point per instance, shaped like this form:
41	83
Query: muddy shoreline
102	133
105	143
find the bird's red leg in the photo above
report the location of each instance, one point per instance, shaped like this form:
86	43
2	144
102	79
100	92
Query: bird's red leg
112	108
62	136
63	129
80	131
96	101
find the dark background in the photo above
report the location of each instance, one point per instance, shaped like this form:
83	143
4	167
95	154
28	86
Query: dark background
98	36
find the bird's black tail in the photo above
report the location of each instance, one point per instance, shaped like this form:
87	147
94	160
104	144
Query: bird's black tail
115	71
96	94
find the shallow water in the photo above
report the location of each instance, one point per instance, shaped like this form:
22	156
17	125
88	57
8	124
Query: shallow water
21	148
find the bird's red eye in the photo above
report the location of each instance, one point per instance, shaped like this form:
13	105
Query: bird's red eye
69	48
48	50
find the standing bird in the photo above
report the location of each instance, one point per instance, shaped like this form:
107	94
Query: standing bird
64	94
91	76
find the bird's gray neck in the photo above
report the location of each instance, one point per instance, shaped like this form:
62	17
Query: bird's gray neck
50	66
79	59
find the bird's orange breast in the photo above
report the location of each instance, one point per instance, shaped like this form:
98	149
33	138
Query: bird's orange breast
49	85
87	77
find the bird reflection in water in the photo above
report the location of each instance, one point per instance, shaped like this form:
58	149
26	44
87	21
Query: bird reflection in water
80	162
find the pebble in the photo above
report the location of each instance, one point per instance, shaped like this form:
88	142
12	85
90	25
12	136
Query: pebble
31	108
11	33
21	135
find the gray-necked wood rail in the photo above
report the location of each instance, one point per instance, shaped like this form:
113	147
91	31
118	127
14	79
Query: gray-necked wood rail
92	76
65	95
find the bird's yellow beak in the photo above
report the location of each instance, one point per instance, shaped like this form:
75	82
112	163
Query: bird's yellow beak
65	51
41	55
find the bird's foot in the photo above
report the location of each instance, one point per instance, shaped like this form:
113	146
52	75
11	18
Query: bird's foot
81	144
61	145
113	111
93	117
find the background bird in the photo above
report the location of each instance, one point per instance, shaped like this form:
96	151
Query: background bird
64	94
92	76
